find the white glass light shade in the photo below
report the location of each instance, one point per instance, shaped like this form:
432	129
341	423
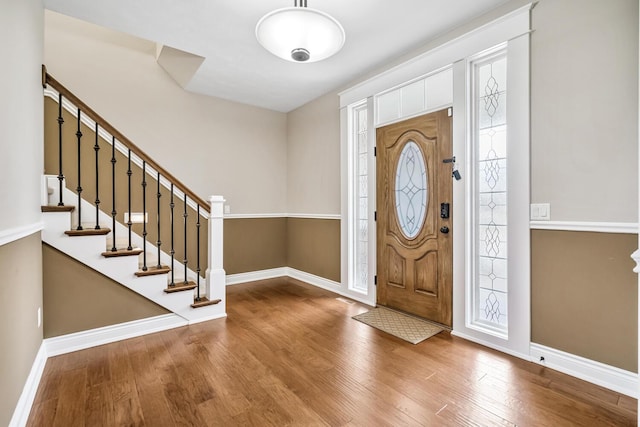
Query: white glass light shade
300	29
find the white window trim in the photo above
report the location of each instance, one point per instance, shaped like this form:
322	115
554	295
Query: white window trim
513	28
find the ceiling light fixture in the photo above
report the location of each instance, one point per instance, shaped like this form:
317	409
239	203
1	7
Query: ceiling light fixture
300	34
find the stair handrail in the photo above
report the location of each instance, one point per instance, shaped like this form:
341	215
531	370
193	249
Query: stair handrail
215	276
50	80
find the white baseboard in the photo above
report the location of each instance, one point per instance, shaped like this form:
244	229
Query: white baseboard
25	402
207	318
99	336
490	345
314	280
607	376
252	276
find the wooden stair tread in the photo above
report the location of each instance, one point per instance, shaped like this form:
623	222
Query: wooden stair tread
153	271
88	232
181	286
122	252
204	302
57	208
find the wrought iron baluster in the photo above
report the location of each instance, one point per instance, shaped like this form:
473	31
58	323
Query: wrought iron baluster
172	205
158	242
79	188
113	193
97	148
144	215
60	175
129	223
185	215
198	254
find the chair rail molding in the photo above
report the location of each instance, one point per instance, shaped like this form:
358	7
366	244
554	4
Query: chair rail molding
592	226
16	233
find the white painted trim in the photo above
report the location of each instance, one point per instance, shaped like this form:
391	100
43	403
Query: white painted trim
311	279
256	215
506	27
489	344
108	334
25	402
17	233
252	276
596	227
326	284
282	215
314	216
607	376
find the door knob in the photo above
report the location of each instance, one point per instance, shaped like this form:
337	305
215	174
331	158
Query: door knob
444	229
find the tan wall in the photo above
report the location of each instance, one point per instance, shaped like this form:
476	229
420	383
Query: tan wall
21	29
253	244
77	298
313	246
88	175
212	145
584	295
313	162
584	109
20	336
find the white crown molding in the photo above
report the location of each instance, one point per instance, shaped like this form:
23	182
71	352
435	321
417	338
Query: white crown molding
28	395
108	334
17	233
607	376
596	227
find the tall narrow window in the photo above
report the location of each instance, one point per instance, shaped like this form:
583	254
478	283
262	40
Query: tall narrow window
489	162
360	168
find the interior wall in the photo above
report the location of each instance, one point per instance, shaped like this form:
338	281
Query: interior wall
213	146
313	157
21	29
254	244
585	298
313	246
77	298
584	109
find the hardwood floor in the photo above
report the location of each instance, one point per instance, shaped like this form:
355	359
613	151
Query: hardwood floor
290	354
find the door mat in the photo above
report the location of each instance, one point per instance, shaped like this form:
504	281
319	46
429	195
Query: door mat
400	325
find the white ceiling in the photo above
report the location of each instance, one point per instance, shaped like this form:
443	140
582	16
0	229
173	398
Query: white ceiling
237	68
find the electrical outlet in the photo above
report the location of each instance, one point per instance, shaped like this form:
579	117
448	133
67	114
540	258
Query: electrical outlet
227	209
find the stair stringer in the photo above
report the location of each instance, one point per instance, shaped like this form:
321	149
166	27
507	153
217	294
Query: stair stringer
88	250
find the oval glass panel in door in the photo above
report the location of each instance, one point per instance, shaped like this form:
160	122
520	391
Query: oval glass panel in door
411	190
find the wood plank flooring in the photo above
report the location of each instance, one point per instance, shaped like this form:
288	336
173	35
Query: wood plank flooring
290	354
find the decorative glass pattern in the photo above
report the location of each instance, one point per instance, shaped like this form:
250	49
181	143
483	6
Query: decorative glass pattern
491	287
361	281
411	190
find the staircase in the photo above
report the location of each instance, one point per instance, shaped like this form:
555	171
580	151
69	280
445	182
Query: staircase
113	246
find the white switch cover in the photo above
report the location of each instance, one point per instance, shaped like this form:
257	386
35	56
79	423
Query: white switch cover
540	212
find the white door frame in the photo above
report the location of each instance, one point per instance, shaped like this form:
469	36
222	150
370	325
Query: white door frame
513	28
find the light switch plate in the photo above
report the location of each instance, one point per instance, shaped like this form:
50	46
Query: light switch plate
540	212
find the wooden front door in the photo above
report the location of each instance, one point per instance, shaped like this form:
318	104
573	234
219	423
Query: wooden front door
414	238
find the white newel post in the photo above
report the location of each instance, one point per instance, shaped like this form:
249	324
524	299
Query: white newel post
216	276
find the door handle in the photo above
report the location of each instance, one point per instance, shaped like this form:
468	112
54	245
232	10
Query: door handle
444	230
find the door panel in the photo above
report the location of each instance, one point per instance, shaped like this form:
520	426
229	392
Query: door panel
414	256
